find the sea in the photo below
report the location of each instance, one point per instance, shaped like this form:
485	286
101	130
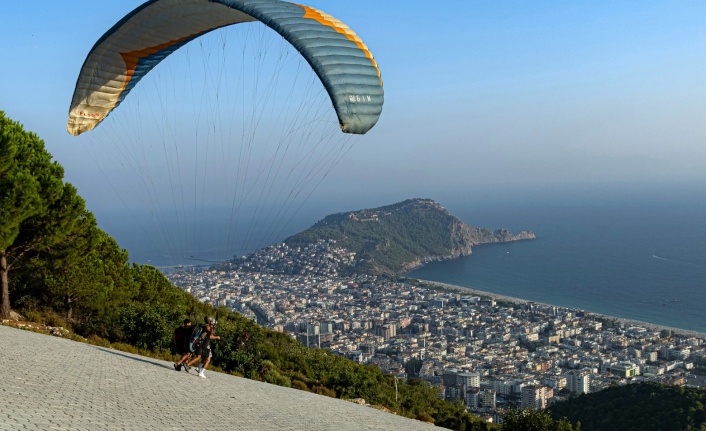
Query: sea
635	252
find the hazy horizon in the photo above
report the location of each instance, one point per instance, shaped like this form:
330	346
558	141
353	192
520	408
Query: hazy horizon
482	100
514	210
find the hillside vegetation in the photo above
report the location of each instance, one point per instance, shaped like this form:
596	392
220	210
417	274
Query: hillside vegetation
638	407
397	238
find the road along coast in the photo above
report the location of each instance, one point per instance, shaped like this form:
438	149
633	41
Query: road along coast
514	300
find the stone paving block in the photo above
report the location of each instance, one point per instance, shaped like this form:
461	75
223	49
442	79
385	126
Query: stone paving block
54	383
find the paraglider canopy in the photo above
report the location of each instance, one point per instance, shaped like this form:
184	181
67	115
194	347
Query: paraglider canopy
150	33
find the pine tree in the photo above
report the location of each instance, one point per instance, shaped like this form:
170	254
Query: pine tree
30	182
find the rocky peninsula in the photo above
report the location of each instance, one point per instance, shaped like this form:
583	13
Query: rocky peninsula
397	238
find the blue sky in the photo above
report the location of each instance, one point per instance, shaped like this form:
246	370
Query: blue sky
479	96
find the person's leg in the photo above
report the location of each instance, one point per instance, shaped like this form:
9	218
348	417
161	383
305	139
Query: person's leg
183	362
179	363
207	359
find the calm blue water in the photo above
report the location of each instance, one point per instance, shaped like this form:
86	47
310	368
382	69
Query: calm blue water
638	255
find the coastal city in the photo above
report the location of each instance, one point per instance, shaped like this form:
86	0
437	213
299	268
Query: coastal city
487	352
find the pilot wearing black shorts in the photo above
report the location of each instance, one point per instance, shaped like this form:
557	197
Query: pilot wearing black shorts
205	347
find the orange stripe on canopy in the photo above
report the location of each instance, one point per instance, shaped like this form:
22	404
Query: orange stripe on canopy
329	21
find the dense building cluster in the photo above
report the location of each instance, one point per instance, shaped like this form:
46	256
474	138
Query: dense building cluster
320	258
486	353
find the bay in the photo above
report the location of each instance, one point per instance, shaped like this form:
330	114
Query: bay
635	254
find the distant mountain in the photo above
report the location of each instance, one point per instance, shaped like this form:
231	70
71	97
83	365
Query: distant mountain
398	238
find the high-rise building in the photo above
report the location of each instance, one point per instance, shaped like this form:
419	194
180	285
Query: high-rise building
534	397
454	392
578	381
450	376
469	380
386	331
487	398
327	327
473	397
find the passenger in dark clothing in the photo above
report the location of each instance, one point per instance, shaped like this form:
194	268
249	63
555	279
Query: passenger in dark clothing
180	342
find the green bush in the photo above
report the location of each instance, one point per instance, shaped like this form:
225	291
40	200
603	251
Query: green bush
323	390
298	384
98	341
53	319
127	348
33	316
274	377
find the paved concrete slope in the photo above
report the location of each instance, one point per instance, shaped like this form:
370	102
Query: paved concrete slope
49	383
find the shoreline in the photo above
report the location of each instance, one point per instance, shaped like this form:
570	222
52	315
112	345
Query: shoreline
515	300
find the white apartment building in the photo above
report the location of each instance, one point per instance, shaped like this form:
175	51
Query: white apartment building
469	380
578	381
534	397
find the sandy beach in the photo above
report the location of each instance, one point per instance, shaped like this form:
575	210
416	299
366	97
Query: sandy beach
514	300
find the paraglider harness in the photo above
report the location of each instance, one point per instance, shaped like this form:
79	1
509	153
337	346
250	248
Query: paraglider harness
196	338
